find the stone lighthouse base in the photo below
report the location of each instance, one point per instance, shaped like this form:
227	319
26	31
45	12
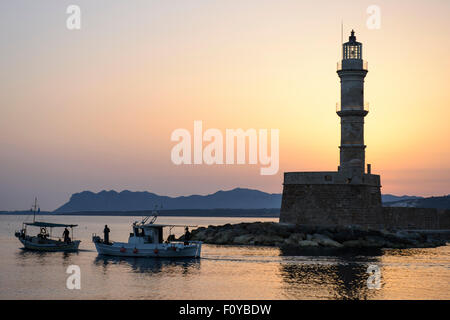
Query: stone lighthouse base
329	199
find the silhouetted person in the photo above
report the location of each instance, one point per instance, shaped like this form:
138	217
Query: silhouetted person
66	235
106	233
187	236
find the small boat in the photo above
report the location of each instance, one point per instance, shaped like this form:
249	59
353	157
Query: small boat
44	240
146	240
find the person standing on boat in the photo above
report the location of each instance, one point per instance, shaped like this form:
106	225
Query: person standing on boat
187	236
106	233
66	235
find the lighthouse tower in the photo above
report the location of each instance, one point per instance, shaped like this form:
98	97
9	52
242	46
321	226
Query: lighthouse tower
348	196
352	71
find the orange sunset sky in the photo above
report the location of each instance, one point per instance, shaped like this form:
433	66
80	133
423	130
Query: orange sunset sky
94	108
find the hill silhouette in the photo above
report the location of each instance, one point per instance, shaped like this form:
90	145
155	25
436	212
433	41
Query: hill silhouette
238	198
430	202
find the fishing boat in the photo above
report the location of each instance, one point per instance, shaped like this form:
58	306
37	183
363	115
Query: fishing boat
146	240
45	240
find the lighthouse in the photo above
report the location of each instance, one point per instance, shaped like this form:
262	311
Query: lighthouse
350	195
352	70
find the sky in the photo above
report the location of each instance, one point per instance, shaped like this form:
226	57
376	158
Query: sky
94	108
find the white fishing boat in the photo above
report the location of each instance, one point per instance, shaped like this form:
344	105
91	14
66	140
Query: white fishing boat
146	240
45	240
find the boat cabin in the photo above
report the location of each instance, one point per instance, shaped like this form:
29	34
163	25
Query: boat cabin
149	233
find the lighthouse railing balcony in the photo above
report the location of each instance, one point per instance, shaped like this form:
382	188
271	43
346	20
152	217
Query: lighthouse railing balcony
365	107
352	64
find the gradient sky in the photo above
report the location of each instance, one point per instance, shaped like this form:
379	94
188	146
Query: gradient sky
94	109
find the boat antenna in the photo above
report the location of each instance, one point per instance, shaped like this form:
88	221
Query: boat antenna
35	208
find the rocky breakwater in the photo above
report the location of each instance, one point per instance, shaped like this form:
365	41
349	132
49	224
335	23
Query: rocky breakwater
291	236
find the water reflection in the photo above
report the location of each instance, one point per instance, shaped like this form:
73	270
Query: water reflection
340	276
24	256
183	266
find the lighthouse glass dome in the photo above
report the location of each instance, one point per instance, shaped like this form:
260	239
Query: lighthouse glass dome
352	49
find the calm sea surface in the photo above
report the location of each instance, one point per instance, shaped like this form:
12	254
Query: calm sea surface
223	272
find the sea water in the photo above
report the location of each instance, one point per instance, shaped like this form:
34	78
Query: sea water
223	272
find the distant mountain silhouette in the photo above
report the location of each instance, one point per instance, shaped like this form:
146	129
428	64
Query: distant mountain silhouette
133	201
431	202
391	198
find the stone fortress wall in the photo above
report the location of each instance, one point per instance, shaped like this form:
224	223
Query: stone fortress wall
325	199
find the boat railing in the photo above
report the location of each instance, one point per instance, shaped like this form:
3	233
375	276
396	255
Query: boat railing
196	242
190	241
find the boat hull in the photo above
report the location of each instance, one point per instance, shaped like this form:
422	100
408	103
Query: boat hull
50	247
160	250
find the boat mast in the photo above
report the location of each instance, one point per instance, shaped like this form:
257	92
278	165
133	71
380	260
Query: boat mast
34	209
154	216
